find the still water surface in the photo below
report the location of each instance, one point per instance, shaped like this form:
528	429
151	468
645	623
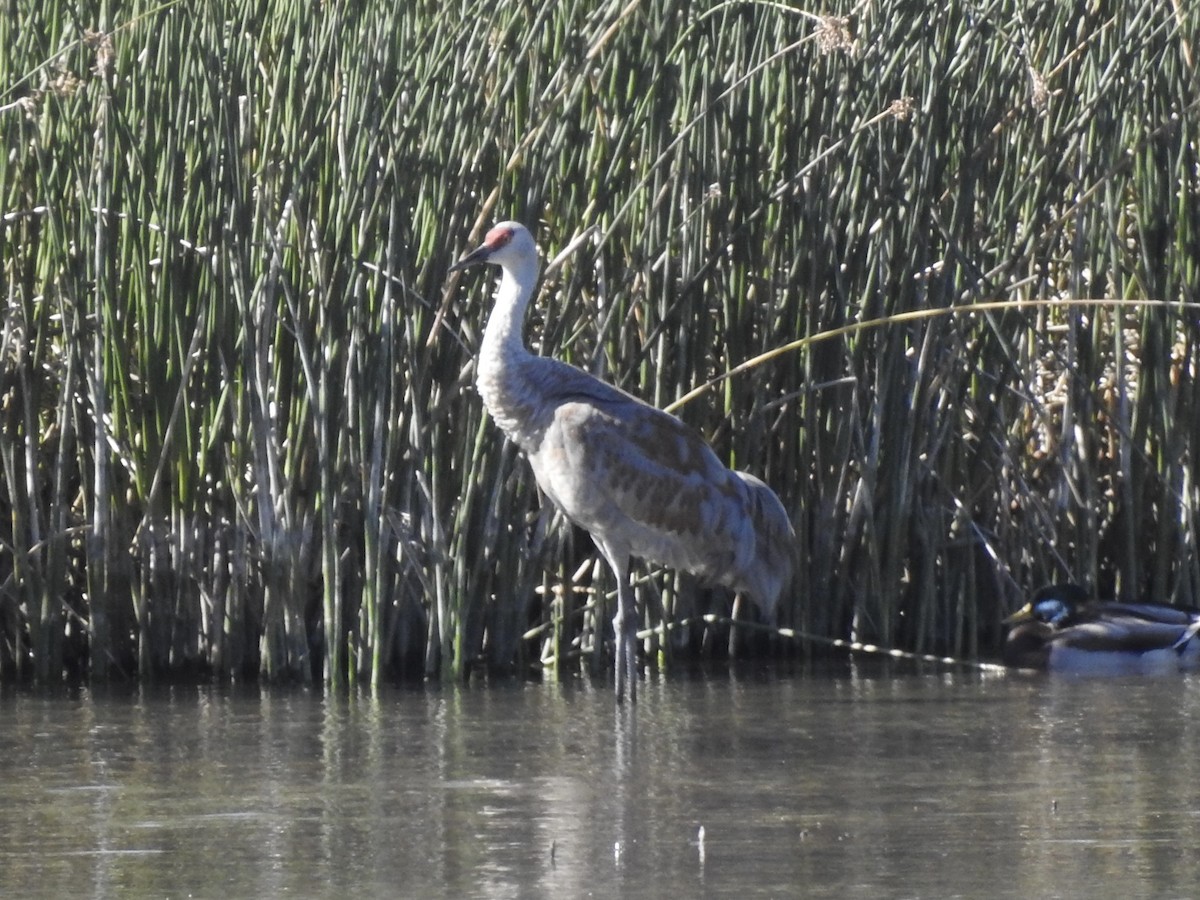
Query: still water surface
865	780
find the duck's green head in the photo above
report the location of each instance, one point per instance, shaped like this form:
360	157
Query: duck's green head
1052	605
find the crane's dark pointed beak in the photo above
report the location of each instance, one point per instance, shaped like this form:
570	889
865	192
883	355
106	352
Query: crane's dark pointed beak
475	257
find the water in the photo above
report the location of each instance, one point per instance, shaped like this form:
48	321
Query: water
858	782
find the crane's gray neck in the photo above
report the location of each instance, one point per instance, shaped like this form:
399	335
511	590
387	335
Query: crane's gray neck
504	373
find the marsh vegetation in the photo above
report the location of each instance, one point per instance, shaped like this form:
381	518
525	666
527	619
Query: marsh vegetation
238	432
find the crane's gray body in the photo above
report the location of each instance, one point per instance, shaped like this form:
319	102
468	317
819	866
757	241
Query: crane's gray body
640	481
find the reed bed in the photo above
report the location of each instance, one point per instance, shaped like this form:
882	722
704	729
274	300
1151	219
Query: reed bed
238	430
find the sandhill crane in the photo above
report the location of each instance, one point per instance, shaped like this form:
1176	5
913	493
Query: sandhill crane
636	478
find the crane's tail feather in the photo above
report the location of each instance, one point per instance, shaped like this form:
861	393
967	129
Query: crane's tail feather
776	553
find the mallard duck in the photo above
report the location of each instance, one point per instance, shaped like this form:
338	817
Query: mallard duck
1062	630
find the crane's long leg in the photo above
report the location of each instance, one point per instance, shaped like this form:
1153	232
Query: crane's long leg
733	625
625	624
624	627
